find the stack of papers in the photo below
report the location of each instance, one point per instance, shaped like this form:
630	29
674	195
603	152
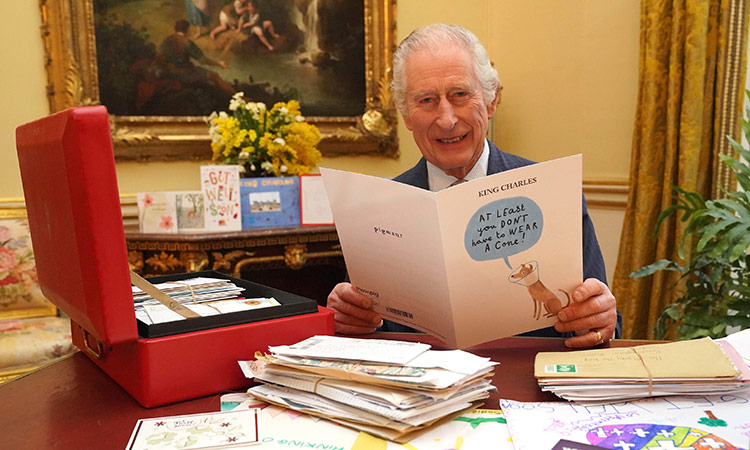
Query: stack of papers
600	376
204	296
389	389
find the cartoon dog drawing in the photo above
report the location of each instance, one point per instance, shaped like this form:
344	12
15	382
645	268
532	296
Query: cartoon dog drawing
541	294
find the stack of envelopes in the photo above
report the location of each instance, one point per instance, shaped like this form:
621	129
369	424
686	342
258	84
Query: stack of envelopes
191	290
390	389
701	366
204	296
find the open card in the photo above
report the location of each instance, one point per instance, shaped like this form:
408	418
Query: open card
228	429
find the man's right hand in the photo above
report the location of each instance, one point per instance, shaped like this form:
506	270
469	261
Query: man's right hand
351	310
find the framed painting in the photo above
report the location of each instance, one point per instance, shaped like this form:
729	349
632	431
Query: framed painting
20	294
162	66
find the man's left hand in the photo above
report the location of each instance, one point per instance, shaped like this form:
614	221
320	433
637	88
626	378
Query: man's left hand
592	315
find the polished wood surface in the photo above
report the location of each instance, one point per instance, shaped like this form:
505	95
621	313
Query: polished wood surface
74	405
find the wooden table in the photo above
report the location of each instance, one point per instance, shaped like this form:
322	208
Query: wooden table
74	405
306	261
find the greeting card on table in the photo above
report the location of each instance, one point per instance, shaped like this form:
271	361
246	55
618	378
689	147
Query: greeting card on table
190	207
314	207
221	191
479	261
270	202
157	212
220	430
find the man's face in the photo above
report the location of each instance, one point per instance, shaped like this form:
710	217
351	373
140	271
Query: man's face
447	113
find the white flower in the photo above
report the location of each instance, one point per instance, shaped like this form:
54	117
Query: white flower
223	115
261	106
283	110
283	168
244	155
252	167
234	104
300	119
279	141
212	116
266	166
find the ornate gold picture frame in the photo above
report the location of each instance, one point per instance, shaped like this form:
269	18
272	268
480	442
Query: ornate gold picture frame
70	49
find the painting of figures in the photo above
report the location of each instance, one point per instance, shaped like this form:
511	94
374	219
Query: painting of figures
188	57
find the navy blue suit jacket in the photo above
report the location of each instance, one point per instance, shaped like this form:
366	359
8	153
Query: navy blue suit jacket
499	161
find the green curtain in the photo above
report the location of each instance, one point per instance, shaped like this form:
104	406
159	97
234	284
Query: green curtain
684	57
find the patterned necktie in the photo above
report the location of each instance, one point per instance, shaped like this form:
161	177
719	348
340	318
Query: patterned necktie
458	181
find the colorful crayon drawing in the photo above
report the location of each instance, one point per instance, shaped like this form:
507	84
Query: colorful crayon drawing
656	437
695	422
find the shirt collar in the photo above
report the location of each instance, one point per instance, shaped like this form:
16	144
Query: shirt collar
439	180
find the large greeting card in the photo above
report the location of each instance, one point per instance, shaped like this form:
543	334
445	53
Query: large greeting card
482	260
221	192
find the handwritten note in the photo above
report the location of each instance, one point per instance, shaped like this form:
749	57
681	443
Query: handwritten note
706	359
504	228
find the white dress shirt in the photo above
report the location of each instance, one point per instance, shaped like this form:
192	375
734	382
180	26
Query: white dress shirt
439	180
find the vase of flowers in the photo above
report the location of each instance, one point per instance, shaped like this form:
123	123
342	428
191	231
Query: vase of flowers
274	142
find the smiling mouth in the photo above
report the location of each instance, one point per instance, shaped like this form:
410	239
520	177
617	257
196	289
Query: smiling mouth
453	140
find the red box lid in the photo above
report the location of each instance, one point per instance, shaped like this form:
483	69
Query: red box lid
72	199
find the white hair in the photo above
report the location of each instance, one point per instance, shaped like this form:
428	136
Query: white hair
435	36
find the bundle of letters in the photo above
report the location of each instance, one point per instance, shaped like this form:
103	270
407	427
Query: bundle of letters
390	389
204	296
697	367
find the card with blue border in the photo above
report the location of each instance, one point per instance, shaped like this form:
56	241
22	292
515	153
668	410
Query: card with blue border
270	202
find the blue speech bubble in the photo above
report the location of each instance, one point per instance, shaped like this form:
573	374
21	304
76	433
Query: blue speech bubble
503	228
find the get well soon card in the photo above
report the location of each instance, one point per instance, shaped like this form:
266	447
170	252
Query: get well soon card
482	260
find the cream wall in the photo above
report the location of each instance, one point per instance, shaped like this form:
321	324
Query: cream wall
569	70
22	90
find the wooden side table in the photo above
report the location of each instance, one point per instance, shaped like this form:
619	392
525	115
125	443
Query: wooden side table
302	260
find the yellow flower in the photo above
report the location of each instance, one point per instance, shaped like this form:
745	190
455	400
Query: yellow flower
271	142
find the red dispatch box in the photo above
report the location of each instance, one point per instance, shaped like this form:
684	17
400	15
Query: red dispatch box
72	199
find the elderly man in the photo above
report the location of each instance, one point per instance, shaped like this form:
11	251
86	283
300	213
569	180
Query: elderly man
446	90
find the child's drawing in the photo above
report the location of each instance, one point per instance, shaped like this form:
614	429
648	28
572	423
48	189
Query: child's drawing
657	437
696	422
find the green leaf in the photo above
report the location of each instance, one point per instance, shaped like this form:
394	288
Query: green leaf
740	248
697	333
732	236
662	264
673	312
668	211
709	233
718	329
